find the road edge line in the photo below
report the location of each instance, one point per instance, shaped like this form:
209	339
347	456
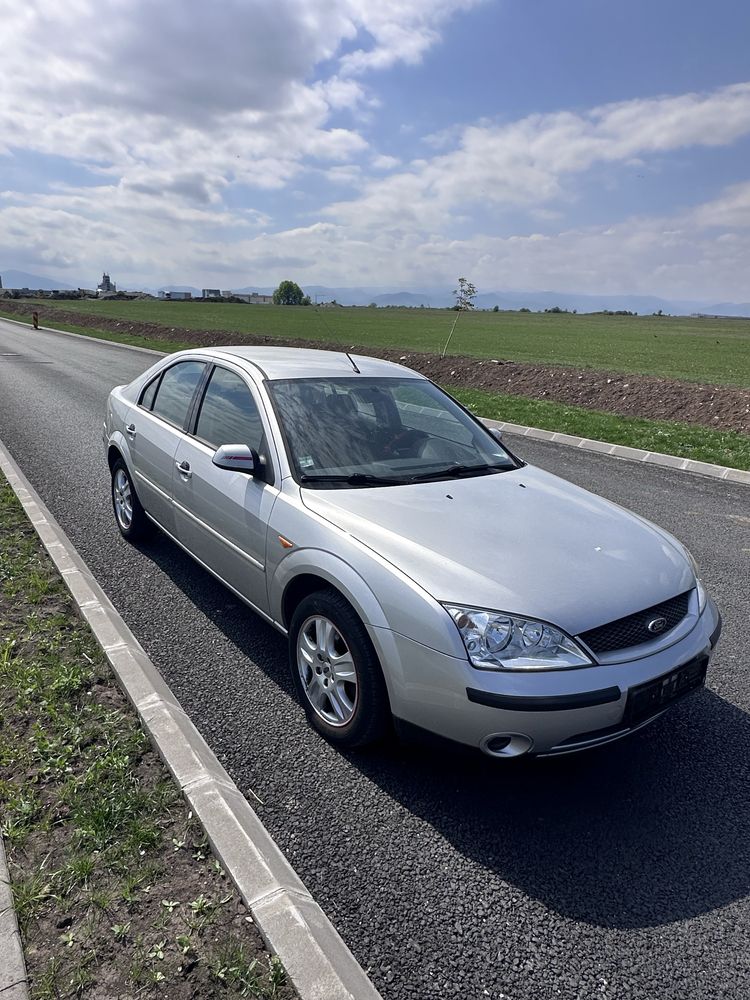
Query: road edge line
677	462
293	926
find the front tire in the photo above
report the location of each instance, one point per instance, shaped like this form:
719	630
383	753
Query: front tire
129	514
336	671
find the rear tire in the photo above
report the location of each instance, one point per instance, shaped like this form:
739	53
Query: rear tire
336	671
129	514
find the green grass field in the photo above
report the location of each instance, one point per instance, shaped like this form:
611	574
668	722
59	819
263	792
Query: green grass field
694	349
700	443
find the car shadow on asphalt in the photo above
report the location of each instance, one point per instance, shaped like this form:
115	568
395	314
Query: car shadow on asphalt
649	830
652	829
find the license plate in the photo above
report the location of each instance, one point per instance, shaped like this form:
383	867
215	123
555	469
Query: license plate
650	698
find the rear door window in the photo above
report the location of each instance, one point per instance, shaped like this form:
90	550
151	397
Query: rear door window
176	389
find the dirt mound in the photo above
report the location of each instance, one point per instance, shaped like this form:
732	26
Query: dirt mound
715	406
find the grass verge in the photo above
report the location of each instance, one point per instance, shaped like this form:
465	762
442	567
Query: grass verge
699	443
115	888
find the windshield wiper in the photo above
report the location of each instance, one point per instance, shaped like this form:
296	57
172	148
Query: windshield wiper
456	471
354	479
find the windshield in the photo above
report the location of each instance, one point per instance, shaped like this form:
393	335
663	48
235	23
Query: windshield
355	432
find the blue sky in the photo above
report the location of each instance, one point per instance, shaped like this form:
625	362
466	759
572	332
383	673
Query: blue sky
581	146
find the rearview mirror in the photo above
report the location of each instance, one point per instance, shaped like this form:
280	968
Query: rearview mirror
496	433
237	458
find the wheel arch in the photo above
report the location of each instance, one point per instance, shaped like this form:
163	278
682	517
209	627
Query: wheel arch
308	570
117	447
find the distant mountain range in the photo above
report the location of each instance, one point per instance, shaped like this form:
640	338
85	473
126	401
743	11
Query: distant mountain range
441	298
21	279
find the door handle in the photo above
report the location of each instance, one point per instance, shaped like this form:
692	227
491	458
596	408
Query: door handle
130	430
184	469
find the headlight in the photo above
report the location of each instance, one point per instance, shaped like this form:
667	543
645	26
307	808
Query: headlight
496	641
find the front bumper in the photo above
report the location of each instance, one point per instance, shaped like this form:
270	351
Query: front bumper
553	712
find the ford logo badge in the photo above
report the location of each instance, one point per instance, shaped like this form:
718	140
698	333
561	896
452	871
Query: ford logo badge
657	625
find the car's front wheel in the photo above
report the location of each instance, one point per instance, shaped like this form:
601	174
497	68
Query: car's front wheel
336	671
129	514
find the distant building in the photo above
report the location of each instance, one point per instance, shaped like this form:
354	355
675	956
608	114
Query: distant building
106	285
211	293
251	297
175	296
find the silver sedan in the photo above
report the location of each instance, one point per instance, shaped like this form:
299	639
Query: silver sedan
424	575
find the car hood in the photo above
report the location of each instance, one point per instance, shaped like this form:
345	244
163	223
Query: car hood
523	541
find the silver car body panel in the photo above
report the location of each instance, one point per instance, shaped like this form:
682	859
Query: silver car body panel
522	541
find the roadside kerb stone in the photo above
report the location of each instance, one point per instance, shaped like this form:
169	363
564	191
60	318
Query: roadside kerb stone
623	451
586	444
13	980
292	924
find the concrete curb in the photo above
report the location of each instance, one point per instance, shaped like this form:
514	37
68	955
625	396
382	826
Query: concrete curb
13	979
293	926
622	451
557	437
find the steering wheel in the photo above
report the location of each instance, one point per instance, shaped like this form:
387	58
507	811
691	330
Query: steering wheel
403	442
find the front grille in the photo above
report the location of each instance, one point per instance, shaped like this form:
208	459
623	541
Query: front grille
633	629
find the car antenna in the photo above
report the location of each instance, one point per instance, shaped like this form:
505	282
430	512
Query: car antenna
352	361
331	333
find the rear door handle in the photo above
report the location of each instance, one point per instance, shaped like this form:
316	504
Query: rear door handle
130	430
184	469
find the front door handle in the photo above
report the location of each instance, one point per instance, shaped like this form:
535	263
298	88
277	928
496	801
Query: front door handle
130	430
184	469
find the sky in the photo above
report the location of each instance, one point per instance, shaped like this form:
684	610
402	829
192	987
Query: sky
588	146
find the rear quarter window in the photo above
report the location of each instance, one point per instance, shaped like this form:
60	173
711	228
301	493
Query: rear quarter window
147	397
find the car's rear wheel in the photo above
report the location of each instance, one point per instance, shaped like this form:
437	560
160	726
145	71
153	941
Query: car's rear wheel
129	514
336	671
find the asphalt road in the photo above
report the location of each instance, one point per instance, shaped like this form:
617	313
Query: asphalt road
621	873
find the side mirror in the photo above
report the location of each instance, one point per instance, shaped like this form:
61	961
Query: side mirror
238	458
496	433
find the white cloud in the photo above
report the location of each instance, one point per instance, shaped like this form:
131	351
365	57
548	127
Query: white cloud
193	119
402	30
527	162
181	86
731	209
385	162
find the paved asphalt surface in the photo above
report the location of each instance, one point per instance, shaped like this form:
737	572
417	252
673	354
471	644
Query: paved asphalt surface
620	873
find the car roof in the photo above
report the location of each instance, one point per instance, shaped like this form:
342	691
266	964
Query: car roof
302	362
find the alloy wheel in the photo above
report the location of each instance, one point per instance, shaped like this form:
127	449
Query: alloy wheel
123	498
327	671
